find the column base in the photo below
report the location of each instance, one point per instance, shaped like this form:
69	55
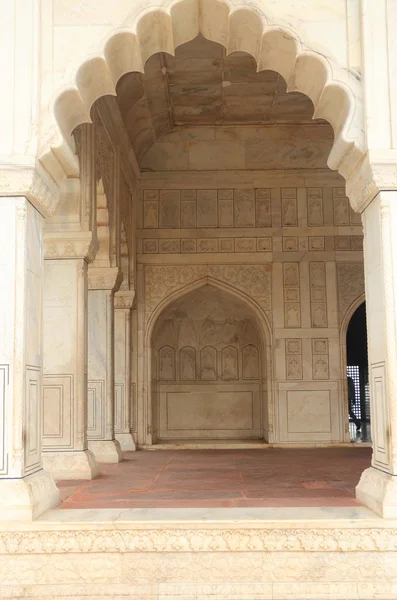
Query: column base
106	451
80	464
126	441
27	498
378	490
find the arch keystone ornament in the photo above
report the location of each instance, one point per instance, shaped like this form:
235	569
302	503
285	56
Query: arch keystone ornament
334	91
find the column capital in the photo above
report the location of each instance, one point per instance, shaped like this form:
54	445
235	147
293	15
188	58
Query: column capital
33	183
124	299
376	172
70	244
104	278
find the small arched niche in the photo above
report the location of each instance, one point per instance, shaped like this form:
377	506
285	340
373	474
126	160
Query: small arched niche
208	371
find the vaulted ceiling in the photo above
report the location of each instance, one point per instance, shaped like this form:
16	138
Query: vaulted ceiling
201	86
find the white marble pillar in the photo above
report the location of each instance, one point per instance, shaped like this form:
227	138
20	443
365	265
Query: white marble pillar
378	484
26	489
102	284
65	452
123	301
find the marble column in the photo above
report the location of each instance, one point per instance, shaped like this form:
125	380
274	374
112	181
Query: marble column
123	301
378	484
65	446
102	284
26	489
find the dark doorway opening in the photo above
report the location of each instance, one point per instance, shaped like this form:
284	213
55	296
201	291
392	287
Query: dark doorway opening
357	369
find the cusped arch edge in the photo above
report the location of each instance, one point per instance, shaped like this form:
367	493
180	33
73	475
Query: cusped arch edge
238	29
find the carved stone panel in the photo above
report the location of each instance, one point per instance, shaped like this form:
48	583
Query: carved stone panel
263	212
244	209
320	359
289	209
167	363
208	364
318	304
188	213
187	364
151	209
207	208
315	213
250	362
169	209
226	208
293	358
292	307
229	359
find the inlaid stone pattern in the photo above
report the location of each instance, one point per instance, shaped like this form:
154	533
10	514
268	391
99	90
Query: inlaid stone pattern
293	358
320	358
318	294
292	302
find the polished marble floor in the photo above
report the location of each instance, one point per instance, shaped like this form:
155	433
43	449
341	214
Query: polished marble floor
293	477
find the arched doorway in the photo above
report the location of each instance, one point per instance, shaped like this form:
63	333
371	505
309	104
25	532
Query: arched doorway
357	370
208	370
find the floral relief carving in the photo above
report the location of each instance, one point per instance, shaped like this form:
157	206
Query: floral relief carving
161	281
199	540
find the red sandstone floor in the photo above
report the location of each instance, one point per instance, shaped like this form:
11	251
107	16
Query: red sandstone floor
223	478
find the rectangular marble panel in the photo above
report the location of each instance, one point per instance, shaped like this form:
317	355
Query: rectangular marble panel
231	410
226	212
32	423
264	244
315	214
308	411
150	209
207	245
188	213
57	411
245	244
289	207
263	207
379	414
168	246
207	208
341	207
119	409
226	245
150	246
95	423
290	244
188	245
169	209
244	209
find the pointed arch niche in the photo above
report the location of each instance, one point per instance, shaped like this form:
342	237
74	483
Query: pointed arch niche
203	383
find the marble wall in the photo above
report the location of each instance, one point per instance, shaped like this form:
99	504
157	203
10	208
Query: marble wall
286	242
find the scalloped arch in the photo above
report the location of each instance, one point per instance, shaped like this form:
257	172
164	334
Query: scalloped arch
336	95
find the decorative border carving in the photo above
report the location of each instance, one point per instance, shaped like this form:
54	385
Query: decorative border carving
199	540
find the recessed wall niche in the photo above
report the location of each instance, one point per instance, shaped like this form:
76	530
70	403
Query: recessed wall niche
208	371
